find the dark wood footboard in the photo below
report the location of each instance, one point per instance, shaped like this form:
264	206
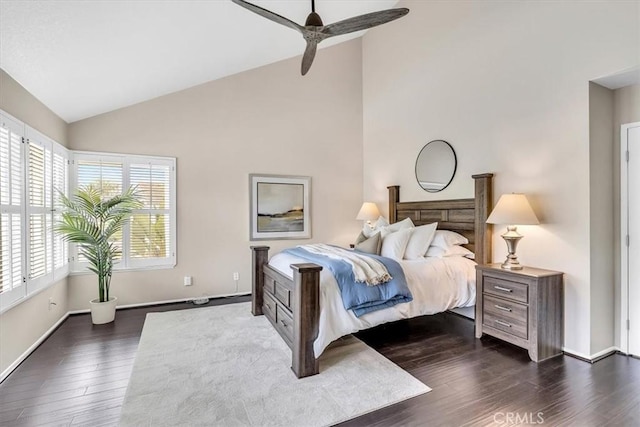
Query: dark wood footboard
292	306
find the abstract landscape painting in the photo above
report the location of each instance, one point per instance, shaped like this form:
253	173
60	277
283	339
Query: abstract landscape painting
279	207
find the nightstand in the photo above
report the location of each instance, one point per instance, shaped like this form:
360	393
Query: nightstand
523	307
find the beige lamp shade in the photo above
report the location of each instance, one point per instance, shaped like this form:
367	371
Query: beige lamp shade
513	209
368	212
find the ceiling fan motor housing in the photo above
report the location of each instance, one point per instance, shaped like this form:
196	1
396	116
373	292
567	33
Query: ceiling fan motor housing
313	20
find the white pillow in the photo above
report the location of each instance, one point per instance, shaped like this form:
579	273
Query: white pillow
446	238
396	226
394	244
380	224
400	225
451	251
420	240
435	252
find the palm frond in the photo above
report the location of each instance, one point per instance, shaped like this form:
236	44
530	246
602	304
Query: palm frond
91	222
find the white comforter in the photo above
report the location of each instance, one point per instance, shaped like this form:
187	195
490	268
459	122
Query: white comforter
437	284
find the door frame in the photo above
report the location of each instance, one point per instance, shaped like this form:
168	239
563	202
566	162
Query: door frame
624	230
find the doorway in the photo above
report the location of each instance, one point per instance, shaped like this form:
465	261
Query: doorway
630	236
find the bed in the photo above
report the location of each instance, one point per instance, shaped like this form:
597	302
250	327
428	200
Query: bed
307	317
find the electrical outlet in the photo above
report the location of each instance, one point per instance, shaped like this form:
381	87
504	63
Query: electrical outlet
188	281
51	303
236	276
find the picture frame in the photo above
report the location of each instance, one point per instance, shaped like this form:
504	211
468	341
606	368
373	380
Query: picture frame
280	207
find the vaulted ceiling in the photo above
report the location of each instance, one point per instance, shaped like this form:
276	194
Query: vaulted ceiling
83	58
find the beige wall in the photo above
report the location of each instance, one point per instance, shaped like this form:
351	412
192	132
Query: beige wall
17	101
506	83
23	325
268	120
601	215
626	109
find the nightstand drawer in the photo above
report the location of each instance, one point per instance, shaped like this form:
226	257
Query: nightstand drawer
506	310
506	289
514	327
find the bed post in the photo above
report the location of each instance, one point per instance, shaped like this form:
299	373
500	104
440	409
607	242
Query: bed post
484	203
394	198
306	316
260	257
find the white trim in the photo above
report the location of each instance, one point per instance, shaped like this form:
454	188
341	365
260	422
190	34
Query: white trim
624	230
127	262
31	349
594	357
171	301
11	122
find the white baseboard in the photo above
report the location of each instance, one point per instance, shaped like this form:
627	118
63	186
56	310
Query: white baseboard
40	340
172	301
591	358
31	349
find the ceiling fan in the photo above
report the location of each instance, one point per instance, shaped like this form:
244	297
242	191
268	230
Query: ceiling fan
314	31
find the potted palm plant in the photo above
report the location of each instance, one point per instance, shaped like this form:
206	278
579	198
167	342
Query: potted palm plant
93	222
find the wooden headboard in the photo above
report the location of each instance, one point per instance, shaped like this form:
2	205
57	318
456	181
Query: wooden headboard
465	216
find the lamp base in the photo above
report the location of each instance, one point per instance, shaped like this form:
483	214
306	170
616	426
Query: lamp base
511	264
511	237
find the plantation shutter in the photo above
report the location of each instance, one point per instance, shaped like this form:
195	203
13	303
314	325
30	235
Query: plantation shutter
150	232
60	185
32	166
148	239
39	209
106	173
11	205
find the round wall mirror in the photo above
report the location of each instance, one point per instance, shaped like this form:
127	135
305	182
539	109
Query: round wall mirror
436	165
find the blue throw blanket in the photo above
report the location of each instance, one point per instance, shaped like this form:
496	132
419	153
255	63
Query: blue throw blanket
358	296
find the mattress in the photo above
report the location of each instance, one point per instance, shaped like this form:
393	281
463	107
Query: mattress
437	284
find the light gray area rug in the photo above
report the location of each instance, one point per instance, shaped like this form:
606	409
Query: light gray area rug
221	366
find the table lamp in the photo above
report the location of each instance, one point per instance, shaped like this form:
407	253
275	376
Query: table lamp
368	212
512	210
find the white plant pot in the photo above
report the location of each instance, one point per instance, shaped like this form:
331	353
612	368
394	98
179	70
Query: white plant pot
103	312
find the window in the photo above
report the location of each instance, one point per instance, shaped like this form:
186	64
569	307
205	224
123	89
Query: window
33	170
12	286
148	239
150	234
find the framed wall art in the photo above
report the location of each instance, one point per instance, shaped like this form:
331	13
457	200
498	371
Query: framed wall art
280	207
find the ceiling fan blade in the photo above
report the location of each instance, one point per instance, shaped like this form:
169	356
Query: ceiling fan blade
309	54
269	15
362	22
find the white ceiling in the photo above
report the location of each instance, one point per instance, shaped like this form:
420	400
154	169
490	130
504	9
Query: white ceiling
82	58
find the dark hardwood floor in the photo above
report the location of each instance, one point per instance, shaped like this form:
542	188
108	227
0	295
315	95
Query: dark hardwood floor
79	377
488	382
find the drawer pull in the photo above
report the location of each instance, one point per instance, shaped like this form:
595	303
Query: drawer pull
268	306
500	322
284	324
500	288
503	308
